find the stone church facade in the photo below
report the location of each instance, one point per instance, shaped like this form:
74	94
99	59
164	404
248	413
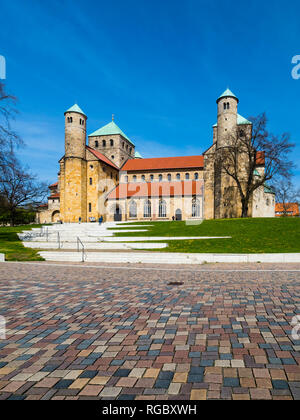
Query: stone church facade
107	177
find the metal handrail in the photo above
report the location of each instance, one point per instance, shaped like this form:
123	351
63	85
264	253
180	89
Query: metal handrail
83	254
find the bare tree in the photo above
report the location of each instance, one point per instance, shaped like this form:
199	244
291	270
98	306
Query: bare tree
250	150
18	187
286	194
8	137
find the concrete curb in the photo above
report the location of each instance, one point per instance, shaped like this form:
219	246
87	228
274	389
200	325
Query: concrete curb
169	258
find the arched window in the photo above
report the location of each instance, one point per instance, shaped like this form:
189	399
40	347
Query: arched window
224	105
228	105
111	142
113	156
143	178
147	208
104	143
123	145
195	207
178	177
130	150
132	209
187	176
91	181
126	146
126	178
162	209
169	177
151	178
134	178
70	119
196	176
160	177
96	143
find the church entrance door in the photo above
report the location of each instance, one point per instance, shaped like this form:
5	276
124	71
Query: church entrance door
178	214
118	215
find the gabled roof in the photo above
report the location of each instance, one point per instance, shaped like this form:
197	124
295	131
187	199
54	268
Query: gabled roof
157	189
110	129
137	155
268	189
227	94
179	162
287	207
101	157
76	108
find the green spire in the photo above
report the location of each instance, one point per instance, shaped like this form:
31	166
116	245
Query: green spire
110	129
137	155
227	94
75	108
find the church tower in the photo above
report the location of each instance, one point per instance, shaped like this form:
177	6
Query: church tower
73	167
225	194
227	118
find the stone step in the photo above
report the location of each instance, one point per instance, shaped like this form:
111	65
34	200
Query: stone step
94	245
121	257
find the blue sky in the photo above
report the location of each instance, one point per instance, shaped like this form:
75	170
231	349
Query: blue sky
157	65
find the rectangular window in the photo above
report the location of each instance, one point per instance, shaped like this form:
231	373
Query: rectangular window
91	181
90	207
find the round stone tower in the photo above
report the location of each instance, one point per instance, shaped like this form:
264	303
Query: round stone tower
227	118
73	169
75	132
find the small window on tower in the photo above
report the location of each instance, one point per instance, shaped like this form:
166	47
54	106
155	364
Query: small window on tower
225	107
111	142
91	181
103	143
228	105
113	156
90	207
96	143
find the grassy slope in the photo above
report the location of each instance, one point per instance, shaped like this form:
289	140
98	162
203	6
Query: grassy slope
248	235
12	247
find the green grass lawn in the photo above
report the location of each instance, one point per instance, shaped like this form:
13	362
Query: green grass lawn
12	247
261	235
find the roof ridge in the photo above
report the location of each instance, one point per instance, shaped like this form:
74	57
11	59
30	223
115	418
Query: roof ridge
102	157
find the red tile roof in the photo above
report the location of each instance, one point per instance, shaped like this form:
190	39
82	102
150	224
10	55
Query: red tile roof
260	158
101	157
288	208
53	185
157	189
179	162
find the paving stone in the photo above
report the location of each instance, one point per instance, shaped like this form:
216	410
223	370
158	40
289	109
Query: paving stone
121	334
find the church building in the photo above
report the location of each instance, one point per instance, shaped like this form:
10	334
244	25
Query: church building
105	176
